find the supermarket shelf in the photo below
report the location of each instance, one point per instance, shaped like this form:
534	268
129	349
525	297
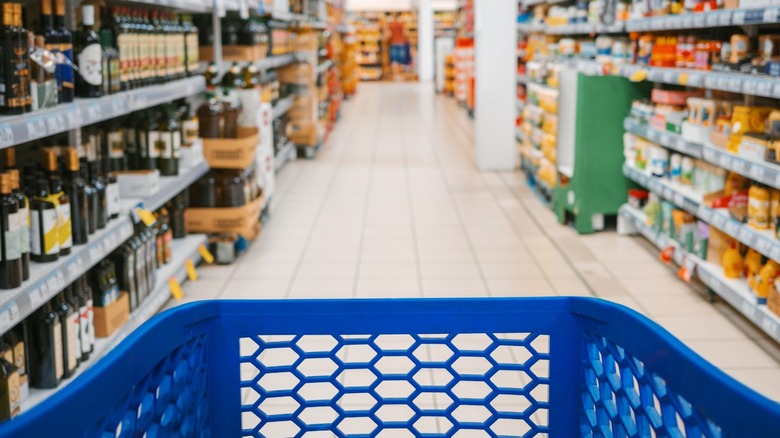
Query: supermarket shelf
735	292
666	139
286	154
530	27
720	18
755	85
23	128
277	61
170	186
183	250
282	106
49	279
585	29
763	241
761	171
184	5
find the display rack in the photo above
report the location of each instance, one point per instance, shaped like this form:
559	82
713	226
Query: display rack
184	249
735	292
282	106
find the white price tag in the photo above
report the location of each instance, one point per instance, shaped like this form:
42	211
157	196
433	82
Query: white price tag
681	144
679	199
724	18
756	172
95	254
712	19
687	21
666	140
695	80
704	213
36	129
763	246
735	85
93	113
764	87
9	318
138	101
670	77
770	15
74	118
776	90
6	136
774	253
738	17
739	166
747	237
749	87
55	124
699	20
118	107
36	297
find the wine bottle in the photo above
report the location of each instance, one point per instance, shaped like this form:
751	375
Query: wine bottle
75	187
90	54
92	204
169	139
24	222
112	81
191	48
46	365
150	151
125	264
9	384
13	98
69	357
114	141
59	199
101	199
66	48
44	222
22	51
10	252
84	294
74	320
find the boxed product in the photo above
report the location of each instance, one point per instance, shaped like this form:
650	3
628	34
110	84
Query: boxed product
719	242
138	183
242	220
299	73
755	146
235	53
304	42
669	97
109	318
191	154
232	153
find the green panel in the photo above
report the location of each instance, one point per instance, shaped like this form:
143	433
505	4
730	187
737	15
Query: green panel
599	184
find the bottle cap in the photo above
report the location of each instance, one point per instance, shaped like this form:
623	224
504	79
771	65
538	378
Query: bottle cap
49	159
14	174
72	159
5	183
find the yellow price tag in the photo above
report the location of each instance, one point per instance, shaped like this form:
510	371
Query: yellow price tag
175	288
146	217
638	76
191	273
204	252
683	79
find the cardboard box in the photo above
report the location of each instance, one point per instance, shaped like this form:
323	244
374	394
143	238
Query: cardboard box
305	42
300	73
191	154
138	183
235	53
232	153
719	242
303	133
108	319
754	146
241	220
719	139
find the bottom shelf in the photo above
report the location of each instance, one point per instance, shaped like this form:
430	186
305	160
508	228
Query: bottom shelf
183	250
735	292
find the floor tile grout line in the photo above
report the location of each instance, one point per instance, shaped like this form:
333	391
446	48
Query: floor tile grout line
536	263
371	168
323	203
409	198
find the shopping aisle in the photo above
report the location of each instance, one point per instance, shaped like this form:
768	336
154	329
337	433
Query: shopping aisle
393	207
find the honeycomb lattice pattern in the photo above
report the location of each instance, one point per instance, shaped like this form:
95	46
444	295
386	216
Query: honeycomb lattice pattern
621	398
172	400
395	385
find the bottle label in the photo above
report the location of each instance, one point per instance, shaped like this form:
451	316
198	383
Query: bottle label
65	70
164	145
153	149
192	51
76	329
112	198
114	81
86	342
13	250
45	232
65	226
176	144
91	321
24	232
71	346
105	72
90	65
191	130
130	141
125	52
58	365
10	393
116	144
20	360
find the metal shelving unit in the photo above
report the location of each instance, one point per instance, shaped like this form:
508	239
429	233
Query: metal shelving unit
282	106
185	249
666	139
735	292
719	18
286	154
24	128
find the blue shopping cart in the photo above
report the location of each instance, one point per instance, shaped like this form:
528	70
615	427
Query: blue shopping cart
562	367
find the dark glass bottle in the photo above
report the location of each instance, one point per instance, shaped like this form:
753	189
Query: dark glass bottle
159	59
46	364
151	243
92	201
232	111
140	266
177	206
59	199
71	297
89	56
70	359
191	48
22	49
97	181
149	151
210	115
250	76
111	70
167	237
232	189
112	195
169	140
84	293
203	193
10	252
124	260
13	98
212	75
44	225
50	36
189	125
9	383
24	222
65	70
233	78
114	142
76	189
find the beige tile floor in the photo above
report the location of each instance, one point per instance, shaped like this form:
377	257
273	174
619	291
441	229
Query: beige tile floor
393	207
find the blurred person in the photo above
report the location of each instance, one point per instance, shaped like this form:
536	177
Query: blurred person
399	47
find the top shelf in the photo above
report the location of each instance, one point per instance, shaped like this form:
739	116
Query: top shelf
24	128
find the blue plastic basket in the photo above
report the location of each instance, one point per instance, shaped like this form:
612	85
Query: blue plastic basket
562	367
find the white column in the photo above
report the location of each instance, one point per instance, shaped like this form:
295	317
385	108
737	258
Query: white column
425	33
495	44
